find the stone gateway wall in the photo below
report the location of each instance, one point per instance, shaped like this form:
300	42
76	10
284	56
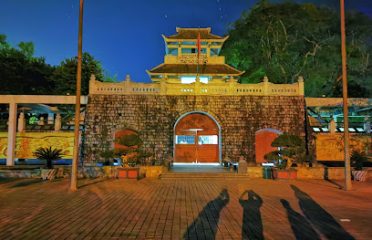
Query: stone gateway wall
154	117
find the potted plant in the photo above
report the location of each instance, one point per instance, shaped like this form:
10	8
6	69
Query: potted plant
291	153
130	152
48	154
107	155
357	159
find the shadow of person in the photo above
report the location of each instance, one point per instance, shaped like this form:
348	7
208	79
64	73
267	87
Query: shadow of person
27	182
319	217
252	223
300	226
205	225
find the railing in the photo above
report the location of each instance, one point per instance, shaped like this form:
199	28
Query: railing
264	88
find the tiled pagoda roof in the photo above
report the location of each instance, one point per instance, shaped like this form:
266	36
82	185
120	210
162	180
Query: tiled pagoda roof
192	69
192	34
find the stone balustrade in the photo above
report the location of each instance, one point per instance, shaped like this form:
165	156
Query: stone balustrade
264	88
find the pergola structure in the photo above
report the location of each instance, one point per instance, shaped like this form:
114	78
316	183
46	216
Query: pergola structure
14	100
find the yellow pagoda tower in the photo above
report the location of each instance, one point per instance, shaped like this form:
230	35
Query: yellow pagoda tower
192	54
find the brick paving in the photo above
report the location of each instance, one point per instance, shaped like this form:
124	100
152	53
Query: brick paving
184	209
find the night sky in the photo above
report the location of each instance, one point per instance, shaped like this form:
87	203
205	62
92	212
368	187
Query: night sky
124	35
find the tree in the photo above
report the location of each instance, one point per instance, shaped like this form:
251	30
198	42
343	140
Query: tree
20	72
284	41
291	149
27	48
64	77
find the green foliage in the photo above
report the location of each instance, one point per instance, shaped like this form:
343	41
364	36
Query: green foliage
107	154
357	159
2	39
108	78
286	40
22	73
291	149
130	140
48	154
27	48
64	76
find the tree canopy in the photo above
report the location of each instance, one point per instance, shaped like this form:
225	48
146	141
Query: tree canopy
23	73
20	72
64	76
286	40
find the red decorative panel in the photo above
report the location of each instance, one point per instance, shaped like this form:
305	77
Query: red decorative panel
263	140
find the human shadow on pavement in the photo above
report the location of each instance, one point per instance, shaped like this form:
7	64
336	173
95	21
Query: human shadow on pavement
339	186
7	180
93	181
301	228
205	225
319	217
252	222
26	182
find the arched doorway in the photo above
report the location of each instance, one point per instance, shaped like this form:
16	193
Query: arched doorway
197	139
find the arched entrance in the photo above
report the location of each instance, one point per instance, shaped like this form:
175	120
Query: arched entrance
197	139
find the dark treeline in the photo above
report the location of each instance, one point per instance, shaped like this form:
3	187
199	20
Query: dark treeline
286	40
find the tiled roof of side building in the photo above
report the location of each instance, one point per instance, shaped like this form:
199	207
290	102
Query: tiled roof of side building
192	68
192	33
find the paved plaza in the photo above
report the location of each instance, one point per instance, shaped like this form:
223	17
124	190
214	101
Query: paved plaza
184	209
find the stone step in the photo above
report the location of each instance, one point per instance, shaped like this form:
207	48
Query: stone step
199	175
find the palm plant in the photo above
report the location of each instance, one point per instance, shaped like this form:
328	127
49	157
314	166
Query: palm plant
48	154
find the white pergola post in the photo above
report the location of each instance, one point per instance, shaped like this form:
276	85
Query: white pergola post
21	122
58	122
12	131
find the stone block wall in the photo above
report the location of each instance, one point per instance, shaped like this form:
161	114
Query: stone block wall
154	117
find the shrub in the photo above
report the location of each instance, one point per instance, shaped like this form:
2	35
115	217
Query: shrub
291	149
357	159
48	154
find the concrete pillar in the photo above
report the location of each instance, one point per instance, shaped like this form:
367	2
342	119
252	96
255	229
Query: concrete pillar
58	122
50	118
21	122
179	50
41	121
367	125
301	87
332	126
265	85
12	134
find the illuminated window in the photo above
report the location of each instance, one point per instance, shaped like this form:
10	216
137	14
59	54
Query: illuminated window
191	79
316	129
185	139
173	51
208	139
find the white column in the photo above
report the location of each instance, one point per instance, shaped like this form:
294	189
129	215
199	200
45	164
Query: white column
41	121
58	122
332	126
50	118
21	122
301	88
367	125
12	131
265	85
